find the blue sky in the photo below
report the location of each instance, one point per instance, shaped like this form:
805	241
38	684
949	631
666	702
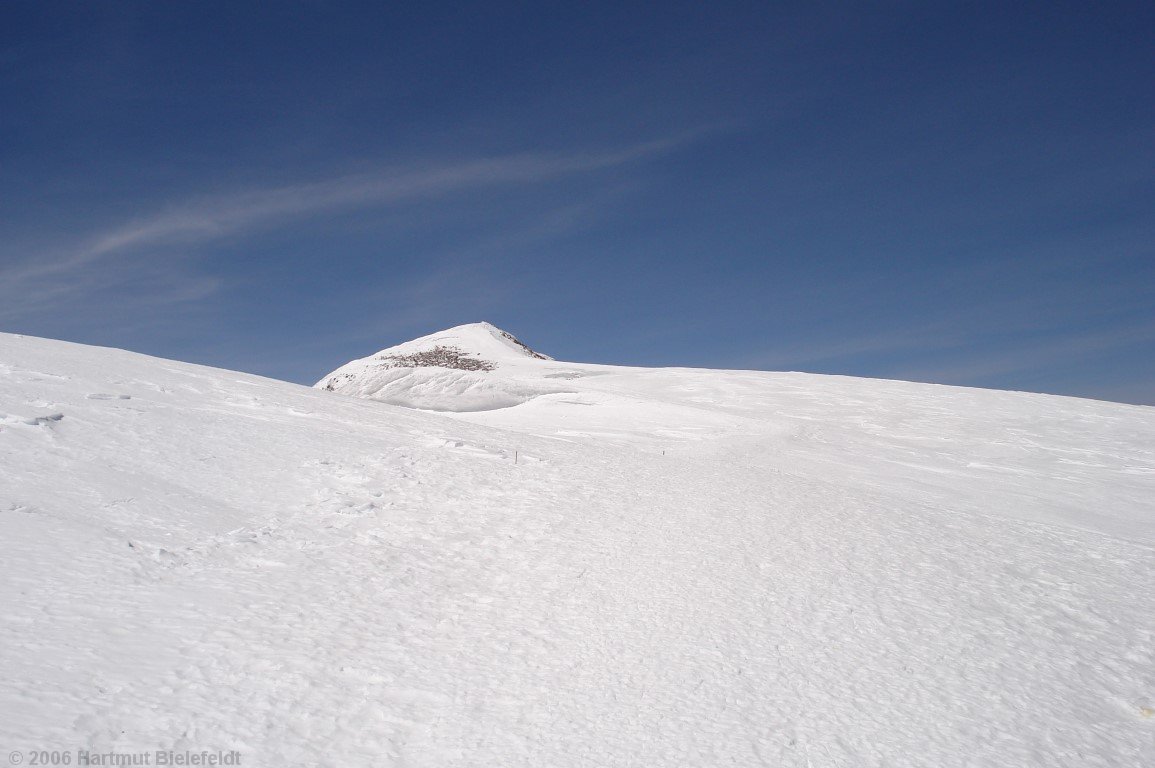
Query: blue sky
957	193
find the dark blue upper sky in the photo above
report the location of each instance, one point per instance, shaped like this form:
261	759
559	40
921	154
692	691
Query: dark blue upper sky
950	192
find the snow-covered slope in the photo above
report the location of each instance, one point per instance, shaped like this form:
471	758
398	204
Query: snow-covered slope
586	566
1040	458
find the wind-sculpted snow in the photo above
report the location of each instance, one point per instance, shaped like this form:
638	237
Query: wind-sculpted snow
441	389
635	567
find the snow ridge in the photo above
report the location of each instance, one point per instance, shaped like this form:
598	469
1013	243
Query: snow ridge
510	337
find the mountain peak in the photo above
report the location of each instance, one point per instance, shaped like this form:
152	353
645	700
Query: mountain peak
479	338
482	342
447	369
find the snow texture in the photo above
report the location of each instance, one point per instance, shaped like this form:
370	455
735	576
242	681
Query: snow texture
560	564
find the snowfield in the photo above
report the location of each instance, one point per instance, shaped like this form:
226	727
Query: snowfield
563	564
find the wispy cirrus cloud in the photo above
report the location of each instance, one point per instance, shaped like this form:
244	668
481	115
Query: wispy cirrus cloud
981	367
215	217
942	353
78	268
810	352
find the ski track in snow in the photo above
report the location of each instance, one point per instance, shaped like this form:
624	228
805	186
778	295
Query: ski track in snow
778	576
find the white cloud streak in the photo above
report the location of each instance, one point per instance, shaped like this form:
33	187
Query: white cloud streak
49	277
981	367
218	216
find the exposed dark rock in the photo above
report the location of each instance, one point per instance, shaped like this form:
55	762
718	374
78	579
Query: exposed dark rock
439	357
528	351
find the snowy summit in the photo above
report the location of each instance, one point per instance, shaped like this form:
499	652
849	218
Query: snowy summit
442	371
460	552
476	346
